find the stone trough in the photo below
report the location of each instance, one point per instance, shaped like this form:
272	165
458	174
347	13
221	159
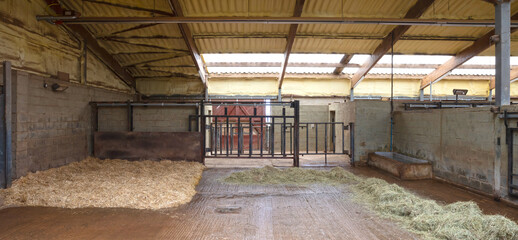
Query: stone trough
401	166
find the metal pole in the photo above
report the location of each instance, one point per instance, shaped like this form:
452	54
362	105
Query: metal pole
503	53
279	96
130	117
250	138
203	131
227	130
296	105
272	141
262	135
8	101
421	95
351	96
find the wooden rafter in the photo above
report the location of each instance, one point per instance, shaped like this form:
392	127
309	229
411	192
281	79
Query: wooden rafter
474	49
344	61
297	12
415	12
176	8
156	11
94	46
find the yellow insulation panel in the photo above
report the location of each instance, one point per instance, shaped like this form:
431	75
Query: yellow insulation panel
257	87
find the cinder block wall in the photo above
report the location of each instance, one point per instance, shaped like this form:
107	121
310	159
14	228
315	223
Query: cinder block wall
51	129
147	119
371	126
461	143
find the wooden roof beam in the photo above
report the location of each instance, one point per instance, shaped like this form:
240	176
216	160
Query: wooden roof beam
415	12
474	49
189	40
94	46
345	60
297	12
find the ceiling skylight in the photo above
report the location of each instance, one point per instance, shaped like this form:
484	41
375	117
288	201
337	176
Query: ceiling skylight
315	58
243	57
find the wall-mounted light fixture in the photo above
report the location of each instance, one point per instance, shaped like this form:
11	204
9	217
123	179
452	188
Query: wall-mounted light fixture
458	92
56	87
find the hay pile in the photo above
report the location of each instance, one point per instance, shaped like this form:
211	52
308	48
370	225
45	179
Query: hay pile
461	220
108	184
291	176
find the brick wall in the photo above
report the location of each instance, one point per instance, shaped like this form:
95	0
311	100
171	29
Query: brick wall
51	129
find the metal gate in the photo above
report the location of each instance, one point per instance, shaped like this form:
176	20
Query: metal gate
254	133
512	175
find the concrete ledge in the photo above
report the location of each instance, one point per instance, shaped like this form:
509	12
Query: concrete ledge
401	166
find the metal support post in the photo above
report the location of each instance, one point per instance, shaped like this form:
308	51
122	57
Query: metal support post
296	105
503	52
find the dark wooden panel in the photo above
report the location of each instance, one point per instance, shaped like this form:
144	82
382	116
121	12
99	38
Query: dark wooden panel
148	145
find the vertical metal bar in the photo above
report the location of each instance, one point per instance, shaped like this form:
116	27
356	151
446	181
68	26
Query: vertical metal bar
216	136
307	137
503	53
343	138
220	138
130	116
227	130
283	133
8	101
291	138
296	119
203	130
333	134
190	124
272	142
238	136
231	138
250	138
509	140
316	137
262	135
351	142
325	143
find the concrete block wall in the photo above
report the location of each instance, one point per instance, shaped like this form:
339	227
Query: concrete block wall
51	129
371	126
461	143
162	119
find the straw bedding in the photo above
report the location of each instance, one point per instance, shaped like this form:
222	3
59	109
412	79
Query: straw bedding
431	220
111	183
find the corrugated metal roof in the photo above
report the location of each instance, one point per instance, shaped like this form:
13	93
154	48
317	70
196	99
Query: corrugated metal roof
357	30
430	47
241	45
214	8
319	45
454	32
355	8
460	9
238	29
151	42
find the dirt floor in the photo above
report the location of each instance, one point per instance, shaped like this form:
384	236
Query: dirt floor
221	211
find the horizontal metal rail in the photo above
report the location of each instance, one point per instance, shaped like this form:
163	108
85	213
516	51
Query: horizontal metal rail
275	20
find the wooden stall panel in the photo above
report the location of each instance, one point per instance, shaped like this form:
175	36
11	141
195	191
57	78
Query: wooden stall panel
176	146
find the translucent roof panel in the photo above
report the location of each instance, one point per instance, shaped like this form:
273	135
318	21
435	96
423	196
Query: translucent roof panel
359	58
243	57
412	71
244	69
415	59
488	72
325	70
315	58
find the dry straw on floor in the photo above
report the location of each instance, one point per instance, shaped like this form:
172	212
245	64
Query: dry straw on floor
107	183
461	220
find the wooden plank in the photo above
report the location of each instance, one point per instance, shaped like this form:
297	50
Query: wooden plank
299	5
474	49
415	12
344	61
176	146
189	40
94	46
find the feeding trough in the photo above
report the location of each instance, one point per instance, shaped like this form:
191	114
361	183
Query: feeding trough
401	166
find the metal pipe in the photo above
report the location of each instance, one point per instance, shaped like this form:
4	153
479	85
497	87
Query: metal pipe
148	104
274	20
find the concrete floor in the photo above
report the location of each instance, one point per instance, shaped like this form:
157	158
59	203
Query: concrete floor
221	211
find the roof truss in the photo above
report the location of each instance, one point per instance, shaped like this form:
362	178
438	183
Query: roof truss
297	12
415	12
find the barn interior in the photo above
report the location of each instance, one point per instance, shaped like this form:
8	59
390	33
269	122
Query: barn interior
418	93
